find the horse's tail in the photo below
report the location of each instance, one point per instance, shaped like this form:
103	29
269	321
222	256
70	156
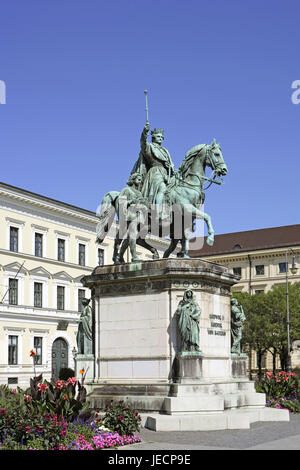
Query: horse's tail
106	213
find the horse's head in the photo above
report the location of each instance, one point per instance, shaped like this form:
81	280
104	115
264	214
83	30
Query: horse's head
215	159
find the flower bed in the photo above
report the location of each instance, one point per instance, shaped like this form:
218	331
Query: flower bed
23	430
54	416
282	390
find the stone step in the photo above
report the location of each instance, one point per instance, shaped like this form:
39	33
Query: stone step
228	419
236	400
196	403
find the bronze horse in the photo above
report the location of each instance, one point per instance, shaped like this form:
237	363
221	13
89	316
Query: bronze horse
185	192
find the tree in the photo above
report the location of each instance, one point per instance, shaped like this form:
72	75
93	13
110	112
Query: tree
276	298
257	331
265	328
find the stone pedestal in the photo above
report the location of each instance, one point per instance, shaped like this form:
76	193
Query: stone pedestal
137	355
85	362
187	367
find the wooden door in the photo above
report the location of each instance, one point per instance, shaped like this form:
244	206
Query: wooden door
59	356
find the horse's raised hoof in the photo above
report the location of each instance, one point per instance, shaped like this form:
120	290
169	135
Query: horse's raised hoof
210	240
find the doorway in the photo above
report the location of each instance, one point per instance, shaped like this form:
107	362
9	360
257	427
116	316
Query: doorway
59	356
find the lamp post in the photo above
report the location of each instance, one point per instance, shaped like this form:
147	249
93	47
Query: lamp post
74	354
294	269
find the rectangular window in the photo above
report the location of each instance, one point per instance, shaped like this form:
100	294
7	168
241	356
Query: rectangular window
12	350
237	271
282	267
262	358
260	270
38	244
14	239
60	298
61	249
81	295
38	294
259	291
12	381
81	254
100	257
38	344
13	292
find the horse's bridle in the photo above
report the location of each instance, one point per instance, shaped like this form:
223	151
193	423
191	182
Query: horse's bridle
208	152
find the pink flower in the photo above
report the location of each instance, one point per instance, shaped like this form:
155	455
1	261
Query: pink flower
72	380
27	429
42	387
59	384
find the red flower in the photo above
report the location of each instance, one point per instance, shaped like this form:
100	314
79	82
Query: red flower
59	384
27	398
72	380
42	387
3	411
27	429
32	353
120	418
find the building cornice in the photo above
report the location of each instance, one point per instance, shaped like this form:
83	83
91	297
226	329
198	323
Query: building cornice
254	254
60	264
65	214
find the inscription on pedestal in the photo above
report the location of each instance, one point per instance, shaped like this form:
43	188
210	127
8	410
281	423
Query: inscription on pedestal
216	325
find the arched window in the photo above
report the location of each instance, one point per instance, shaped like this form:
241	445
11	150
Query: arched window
237	247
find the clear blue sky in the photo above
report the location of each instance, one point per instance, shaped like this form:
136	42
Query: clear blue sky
75	74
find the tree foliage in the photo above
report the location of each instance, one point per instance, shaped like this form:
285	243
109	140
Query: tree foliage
265	328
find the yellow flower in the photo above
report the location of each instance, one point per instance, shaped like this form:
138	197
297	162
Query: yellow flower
81	371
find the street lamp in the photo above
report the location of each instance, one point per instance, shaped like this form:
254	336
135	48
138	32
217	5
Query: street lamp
74	354
294	270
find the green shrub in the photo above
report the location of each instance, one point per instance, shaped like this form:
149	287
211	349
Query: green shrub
66	373
121	418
